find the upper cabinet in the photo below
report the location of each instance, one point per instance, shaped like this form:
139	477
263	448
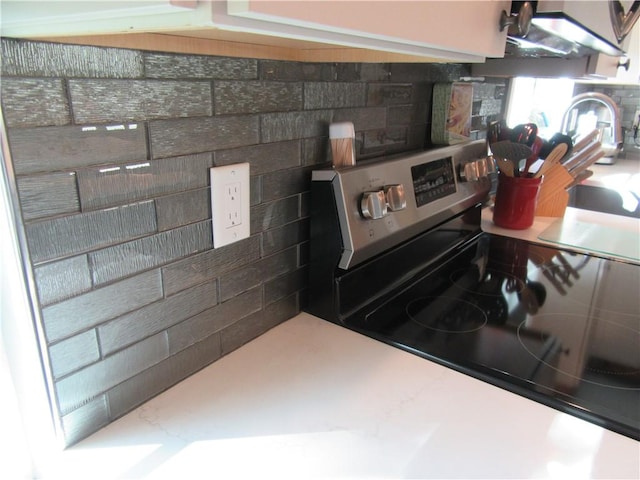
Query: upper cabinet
468	28
304	30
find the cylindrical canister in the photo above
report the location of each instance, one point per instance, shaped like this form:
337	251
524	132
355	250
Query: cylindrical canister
342	136
516	199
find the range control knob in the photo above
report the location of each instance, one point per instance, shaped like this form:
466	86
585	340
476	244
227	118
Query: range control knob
477	170
395	197
373	205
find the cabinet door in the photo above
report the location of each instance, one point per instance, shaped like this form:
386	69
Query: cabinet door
468	27
605	68
632	74
20	18
306	30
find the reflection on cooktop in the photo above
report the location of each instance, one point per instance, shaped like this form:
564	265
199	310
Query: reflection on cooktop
492	283
446	314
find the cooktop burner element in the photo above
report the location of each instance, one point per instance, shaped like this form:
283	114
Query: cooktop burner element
599	371
558	327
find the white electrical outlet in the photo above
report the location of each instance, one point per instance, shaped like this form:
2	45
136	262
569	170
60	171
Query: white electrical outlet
230	203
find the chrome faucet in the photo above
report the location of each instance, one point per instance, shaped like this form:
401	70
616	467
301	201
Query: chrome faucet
592	110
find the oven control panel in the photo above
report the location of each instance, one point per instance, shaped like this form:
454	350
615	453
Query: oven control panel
381	204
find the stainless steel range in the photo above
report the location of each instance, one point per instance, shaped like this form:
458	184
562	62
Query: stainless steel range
397	253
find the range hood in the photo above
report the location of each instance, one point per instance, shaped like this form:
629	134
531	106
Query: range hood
576	39
555	35
572	29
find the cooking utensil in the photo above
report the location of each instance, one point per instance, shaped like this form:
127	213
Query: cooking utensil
535	153
586	140
524	133
511	151
579	155
586	163
497	131
552	159
554	141
505	166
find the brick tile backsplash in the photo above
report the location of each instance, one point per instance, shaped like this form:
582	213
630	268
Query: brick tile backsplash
128	258
90	309
137	389
276	127
278	239
284	285
183	208
111	185
259	96
319	95
210	264
60	148
195	135
274	214
59	280
48	195
30	102
295	71
76	352
156	317
199	327
263	158
249	327
111	150
389	94
76	389
62	236
385	139
251	275
364	119
37	59
99	101
294	181
427	72
164	65
86	419
363	72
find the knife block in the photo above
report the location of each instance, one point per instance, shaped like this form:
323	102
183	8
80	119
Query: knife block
553	197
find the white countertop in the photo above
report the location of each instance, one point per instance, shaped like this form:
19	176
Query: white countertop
624	175
310	399
616	227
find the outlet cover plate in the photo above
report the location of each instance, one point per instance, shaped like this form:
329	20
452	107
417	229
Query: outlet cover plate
230	198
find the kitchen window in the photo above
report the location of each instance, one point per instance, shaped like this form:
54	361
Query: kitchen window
542	101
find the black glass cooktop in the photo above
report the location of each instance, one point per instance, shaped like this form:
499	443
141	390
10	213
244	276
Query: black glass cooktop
558	327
